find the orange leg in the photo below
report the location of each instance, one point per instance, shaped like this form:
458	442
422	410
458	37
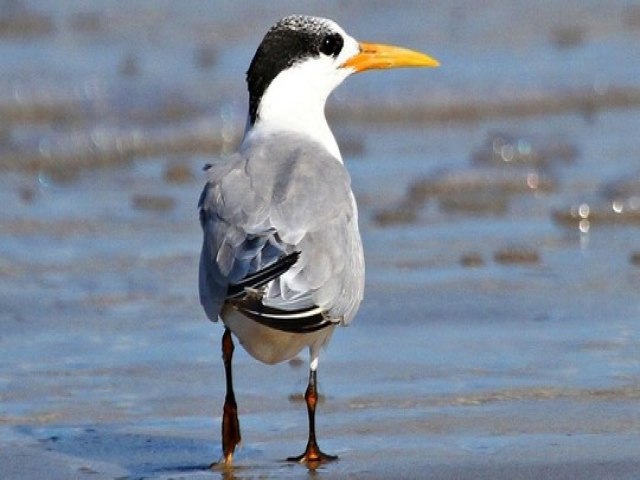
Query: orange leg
312	454
230	424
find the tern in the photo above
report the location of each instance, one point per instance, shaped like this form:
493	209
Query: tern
282	261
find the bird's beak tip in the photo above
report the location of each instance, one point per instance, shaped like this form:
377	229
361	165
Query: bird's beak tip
379	56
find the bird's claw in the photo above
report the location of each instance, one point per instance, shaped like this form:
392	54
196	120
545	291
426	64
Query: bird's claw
313	456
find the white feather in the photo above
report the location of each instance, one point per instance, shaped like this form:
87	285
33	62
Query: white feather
296	98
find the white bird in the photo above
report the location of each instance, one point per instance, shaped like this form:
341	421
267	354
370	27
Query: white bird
282	262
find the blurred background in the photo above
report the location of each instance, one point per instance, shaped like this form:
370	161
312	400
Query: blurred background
500	211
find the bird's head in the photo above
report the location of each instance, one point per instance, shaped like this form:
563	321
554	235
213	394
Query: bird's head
302	59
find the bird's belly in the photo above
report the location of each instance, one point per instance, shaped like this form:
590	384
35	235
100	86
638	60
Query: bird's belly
269	345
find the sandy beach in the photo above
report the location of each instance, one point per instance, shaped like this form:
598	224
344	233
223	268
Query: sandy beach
499	208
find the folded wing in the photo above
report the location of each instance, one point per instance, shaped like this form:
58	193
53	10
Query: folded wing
280	238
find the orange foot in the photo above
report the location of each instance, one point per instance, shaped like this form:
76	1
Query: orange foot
313	455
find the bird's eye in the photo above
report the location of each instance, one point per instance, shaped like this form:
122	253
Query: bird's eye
332	45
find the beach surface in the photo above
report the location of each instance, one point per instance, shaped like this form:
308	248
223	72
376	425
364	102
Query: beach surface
499	202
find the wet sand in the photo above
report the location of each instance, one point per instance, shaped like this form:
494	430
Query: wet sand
500	333
462	401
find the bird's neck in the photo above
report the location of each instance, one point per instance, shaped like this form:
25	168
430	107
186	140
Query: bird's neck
292	106
314	128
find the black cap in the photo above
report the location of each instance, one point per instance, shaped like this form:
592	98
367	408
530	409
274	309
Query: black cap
291	40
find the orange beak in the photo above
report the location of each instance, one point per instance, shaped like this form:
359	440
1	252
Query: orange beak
378	56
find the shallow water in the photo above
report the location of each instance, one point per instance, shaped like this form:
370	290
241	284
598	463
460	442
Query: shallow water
521	363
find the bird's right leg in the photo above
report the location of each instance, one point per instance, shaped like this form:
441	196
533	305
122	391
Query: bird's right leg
312	454
230	424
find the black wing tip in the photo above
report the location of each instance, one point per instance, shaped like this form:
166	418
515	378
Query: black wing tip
297	322
292	258
305	320
264	276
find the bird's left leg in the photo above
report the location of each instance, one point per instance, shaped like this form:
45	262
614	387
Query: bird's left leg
312	453
230	423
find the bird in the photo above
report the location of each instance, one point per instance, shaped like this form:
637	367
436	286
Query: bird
282	262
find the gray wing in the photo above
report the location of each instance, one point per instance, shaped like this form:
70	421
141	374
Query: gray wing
260	207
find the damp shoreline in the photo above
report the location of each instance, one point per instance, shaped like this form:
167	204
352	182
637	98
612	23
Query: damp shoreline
499	205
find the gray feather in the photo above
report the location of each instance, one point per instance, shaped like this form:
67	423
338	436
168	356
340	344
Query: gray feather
282	196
